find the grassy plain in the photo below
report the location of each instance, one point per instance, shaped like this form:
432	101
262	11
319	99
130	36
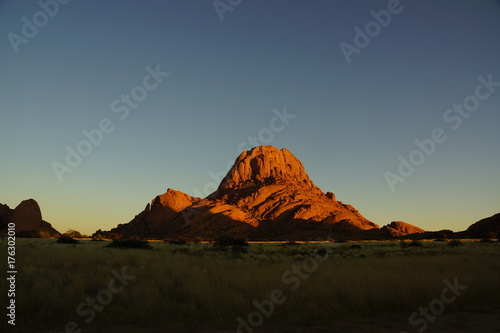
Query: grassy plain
191	288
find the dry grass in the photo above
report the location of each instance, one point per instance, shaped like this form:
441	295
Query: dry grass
191	286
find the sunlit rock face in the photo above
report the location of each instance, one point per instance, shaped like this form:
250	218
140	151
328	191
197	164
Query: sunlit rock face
398	229
267	194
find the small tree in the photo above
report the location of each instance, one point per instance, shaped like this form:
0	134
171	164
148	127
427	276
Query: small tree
73	233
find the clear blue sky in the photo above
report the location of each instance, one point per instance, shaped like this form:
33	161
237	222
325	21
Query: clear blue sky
352	120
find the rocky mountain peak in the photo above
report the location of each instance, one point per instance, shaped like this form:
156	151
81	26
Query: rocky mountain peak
266	164
266	195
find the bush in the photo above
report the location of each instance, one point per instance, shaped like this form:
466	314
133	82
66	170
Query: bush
113	235
321	251
72	233
129	244
455	243
178	241
67	240
237	245
97	238
415	243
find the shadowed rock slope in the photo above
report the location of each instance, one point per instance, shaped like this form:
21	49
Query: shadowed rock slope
266	195
485	227
27	218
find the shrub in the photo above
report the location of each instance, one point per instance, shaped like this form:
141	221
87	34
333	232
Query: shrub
415	243
67	240
321	251
237	245
178	241
73	233
113	235
486	240
455	243
97	238
129	244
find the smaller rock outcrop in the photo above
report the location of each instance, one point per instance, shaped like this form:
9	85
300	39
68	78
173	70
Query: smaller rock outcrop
27	218
399	229
485	227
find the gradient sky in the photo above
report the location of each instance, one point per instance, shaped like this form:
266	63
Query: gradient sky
352	120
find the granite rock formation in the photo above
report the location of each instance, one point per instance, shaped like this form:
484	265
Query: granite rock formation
27	218
267	194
